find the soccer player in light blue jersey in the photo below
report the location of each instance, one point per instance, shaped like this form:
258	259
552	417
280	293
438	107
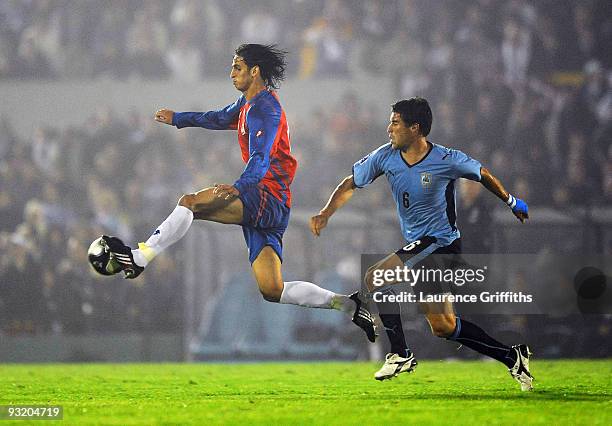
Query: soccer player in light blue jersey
422	177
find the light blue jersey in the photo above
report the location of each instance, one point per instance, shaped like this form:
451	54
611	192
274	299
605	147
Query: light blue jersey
425	191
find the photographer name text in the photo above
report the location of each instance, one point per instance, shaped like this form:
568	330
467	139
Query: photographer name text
483	297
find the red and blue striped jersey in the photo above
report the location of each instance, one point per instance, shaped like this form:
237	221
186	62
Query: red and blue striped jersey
264	141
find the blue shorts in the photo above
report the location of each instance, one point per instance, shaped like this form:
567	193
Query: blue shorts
264	221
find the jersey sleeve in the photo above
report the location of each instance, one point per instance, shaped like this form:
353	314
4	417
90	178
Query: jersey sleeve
263	127
366	170
464	166
222	119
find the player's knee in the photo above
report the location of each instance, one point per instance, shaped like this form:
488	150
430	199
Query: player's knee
443	325
271	294
188	200
200	206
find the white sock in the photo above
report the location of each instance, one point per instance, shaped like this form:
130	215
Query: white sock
169	232
311	295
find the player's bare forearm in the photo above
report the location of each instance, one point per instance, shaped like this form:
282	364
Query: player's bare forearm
519	207
493	184
339	197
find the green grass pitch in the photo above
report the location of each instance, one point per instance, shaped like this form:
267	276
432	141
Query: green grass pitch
567	392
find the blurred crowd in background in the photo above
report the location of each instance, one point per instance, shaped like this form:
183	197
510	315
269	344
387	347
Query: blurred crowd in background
523	86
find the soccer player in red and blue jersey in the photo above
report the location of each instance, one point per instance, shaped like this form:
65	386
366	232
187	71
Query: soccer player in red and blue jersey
259	200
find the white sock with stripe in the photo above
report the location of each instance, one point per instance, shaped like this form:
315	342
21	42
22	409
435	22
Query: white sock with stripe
169	232
307	294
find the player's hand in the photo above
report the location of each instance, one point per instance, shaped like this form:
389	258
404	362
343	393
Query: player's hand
224	191
317	223
164	116
521	210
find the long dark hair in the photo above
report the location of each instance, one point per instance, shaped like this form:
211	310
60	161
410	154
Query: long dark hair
269	59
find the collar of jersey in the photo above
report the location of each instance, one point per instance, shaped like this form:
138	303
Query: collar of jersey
421	160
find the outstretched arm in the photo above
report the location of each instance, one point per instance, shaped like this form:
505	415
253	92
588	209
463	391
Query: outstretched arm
518	206
339	197
223	119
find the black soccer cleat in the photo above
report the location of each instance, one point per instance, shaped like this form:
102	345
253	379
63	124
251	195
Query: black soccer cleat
363	318
123	255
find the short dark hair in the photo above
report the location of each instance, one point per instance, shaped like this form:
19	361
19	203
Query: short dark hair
415	110
269	58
